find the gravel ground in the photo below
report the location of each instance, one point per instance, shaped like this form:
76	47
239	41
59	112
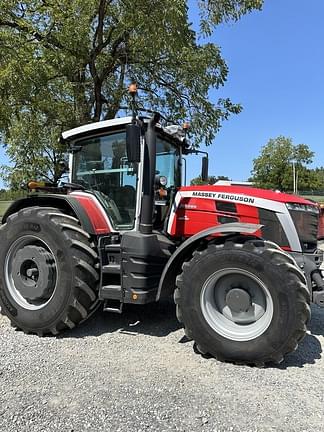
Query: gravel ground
136	372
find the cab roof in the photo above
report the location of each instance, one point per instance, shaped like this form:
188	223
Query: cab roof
172	131
97	126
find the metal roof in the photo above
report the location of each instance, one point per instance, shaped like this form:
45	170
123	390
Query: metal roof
95	127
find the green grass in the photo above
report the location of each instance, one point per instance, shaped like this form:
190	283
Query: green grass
318	198
3	206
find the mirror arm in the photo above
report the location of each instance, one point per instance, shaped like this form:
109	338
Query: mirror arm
193	151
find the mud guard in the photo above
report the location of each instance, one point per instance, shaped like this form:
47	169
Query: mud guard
173	266
63	202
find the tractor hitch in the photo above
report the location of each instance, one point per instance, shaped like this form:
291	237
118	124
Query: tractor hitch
318	298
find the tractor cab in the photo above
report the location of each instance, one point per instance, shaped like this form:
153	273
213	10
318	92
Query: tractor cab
99	163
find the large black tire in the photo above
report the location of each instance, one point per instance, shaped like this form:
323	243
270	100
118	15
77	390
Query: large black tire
207	284
48	271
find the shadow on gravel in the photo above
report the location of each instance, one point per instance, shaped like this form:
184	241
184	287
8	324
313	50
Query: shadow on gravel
157	319
308	351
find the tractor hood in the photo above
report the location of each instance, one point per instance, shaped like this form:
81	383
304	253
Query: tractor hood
238	194
288	220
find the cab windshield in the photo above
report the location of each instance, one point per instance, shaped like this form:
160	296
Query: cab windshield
102	166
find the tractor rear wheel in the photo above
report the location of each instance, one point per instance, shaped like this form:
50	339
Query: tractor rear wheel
243	302
48	275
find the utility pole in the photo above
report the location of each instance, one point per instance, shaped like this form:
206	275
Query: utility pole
295	177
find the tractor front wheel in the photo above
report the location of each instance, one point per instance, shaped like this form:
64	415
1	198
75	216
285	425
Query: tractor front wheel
48	275
243	302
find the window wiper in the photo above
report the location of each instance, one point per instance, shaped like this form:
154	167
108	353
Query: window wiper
74	186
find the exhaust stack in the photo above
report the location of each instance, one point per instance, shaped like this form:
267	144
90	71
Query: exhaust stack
146	220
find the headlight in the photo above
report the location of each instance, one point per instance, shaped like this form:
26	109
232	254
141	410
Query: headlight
302	207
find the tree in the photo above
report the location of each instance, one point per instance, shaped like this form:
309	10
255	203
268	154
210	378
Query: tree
67	63
214	12
319	173
211	180
273	169
28	146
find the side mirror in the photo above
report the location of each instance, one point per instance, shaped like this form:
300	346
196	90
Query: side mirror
204	169
133	142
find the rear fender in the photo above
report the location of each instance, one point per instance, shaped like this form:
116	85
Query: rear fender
66	203
174	265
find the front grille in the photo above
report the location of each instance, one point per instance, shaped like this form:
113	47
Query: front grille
306	224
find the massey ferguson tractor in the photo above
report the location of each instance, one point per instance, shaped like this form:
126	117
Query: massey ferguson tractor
241	263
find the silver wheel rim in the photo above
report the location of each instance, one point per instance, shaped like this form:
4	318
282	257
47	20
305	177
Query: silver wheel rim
246	324
12	280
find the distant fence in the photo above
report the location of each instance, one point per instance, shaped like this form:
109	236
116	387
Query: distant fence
313	195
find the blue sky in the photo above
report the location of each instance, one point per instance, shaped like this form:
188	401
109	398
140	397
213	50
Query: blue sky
276	71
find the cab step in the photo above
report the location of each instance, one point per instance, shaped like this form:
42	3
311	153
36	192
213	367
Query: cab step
111	269
114	306
111	292
113	298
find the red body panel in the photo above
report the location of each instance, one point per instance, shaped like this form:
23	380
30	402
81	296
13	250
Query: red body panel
214	205
95	212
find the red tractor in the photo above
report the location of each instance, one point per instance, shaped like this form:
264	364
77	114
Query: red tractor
242	263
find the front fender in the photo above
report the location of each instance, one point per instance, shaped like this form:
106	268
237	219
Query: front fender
173	266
